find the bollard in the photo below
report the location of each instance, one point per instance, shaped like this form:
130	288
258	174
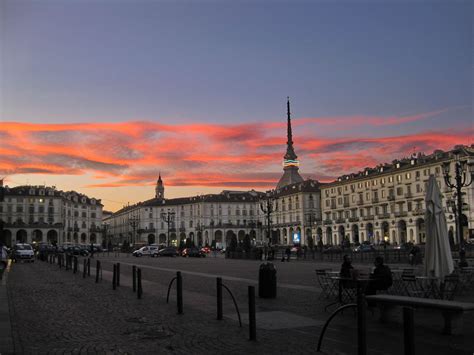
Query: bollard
67	262
219	298
408	331
139	281
252	322
179	292
74	270
60	260
114	277
84	269
118	274
97	270
361	322
88	267
134	278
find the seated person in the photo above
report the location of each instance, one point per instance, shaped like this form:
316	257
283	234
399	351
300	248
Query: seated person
347	271
346	267
381	278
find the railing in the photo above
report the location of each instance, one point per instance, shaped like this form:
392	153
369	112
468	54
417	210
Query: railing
401	214
354	219
360	202
391	197
327	221
384	216
340	220
368	218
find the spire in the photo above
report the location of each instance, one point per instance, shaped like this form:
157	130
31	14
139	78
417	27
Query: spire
290	153
290	162
159	178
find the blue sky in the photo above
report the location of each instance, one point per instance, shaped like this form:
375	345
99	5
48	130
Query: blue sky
234	63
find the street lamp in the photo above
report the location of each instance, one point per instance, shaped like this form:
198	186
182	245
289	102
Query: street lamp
168	217
463	176
268	208
134	223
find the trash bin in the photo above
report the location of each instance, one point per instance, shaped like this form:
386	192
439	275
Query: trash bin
267	281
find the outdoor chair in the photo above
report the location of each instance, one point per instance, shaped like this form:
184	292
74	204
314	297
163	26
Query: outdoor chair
466	279
327	285
411	286
450	287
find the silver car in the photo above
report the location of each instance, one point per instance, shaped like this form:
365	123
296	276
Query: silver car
23	251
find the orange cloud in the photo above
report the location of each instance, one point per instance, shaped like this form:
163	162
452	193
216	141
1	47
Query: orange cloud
237	156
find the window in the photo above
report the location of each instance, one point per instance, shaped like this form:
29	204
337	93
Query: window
409	205
418	188
399	191
374	182
390	179
408	176
399	178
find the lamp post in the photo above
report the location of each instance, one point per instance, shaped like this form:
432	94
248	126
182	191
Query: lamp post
105	242
168	217
462	169
268	208
134	222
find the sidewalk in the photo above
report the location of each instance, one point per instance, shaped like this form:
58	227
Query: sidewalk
6	339
56	311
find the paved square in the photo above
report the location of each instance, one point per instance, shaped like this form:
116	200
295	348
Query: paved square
275	320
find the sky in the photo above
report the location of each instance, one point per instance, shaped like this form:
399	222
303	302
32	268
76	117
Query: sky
102	96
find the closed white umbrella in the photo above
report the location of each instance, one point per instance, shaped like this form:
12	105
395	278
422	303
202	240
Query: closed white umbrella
438	257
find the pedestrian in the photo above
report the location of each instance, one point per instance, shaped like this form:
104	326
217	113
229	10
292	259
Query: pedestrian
288	253
92	250
380	279
265	251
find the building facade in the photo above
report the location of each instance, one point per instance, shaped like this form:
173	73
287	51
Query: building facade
33	214
384	203
387	202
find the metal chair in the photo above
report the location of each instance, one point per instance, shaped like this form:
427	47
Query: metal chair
328	287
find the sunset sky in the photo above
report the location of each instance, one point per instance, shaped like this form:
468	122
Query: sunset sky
100	96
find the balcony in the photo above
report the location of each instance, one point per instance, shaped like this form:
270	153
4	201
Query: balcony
360	202
354	219
384	216
418	212
401	214
327	221
368	218
340	220
182	229
408	195
346	204
375	200
333	206
391	197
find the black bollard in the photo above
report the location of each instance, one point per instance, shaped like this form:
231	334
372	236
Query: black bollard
408	331
361	322
179	291
97	271
84	269
219	298
88	267
139	281
67	262
134	278
118	274
75	265
252	321
114	278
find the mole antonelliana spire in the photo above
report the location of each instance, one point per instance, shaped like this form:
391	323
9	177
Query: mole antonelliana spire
290	162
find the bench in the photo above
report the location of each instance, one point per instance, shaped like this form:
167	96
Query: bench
451	310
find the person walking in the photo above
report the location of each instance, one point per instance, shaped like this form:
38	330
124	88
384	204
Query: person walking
288	253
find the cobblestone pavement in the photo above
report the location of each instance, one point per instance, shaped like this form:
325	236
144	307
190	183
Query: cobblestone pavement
54	311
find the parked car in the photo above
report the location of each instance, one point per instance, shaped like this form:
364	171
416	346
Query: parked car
147	251
364	248
168	251
194	252
332	250
76	250
206	250
404	246
23	251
